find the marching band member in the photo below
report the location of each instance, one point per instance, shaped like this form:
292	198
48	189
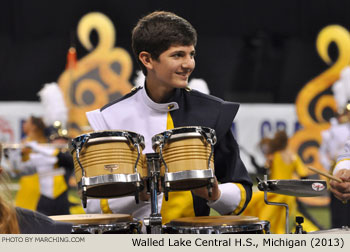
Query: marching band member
47	161
44	168
29	191
281	163
164	46
15	220
333	144
342	171
52	162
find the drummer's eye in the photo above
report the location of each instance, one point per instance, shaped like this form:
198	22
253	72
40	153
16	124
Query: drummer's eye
178	55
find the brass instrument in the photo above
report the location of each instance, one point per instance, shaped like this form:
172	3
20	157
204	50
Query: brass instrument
23	145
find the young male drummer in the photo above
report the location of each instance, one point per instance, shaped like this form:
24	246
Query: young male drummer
164	46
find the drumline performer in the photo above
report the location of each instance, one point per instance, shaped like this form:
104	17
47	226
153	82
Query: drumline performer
54	162
333	143
164	46
29	190
50	163
342	170
15	220
281	164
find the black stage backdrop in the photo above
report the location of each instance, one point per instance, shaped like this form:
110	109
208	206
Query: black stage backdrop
248	50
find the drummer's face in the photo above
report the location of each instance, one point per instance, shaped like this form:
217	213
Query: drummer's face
174	66
27	126
60	141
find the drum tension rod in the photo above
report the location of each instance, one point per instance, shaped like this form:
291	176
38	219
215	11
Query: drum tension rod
136	144
166	183
138	186
211	139
79	146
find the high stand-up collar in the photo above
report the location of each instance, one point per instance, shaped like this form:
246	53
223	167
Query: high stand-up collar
161	107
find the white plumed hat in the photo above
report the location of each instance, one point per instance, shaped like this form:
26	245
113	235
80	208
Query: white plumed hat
341	89
199	85
55	109
139	80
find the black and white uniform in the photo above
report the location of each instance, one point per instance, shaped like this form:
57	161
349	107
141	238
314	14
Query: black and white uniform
138	113
51	165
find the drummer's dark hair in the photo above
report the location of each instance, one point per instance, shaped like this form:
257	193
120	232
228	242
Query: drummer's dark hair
157	31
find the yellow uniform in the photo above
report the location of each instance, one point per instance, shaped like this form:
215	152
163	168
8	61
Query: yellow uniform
276	214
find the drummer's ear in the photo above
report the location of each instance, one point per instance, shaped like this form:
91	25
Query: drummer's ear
146	59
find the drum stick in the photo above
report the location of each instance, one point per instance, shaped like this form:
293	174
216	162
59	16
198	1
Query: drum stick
328	176
325	174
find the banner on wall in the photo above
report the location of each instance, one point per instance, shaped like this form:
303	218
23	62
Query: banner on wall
99	77
251	123
254	121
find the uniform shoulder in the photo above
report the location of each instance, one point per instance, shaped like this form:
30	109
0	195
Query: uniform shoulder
210	100
133	91
199	95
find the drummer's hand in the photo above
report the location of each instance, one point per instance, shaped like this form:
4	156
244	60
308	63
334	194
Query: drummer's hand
203	192
341	190
143	194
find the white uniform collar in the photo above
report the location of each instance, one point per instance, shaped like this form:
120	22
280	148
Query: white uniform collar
161	107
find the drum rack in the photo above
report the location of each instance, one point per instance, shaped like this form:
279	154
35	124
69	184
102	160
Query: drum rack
154	222
164	174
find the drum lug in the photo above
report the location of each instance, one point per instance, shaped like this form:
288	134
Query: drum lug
166	190
166	194
137	193
84	198
137	198
210	192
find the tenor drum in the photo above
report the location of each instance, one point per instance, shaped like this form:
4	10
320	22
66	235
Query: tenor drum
229	224
186	156
108	163
101	223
